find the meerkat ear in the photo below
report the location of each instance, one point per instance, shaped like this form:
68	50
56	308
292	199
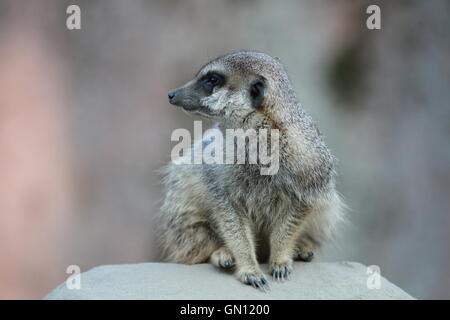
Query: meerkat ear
257	93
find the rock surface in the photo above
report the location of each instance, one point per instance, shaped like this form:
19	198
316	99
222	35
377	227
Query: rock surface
315	280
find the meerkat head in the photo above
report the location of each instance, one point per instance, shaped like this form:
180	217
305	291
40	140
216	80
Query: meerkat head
234	86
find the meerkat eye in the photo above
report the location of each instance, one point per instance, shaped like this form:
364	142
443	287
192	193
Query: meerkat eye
257	91
211	80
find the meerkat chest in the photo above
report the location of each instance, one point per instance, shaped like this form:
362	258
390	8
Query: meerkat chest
262	199
251	194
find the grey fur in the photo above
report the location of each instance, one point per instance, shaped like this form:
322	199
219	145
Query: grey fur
230	215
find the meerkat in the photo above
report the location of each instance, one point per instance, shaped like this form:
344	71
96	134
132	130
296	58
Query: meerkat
231	215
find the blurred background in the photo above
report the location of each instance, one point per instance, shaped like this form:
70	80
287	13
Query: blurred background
85	124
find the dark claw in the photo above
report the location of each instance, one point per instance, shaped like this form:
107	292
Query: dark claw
281	274
275	274
226	263
257	283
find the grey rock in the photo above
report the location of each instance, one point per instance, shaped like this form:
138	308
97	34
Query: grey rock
314	280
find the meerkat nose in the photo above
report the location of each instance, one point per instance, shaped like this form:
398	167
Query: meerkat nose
171	94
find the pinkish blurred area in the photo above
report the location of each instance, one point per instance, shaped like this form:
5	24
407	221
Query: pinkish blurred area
35	169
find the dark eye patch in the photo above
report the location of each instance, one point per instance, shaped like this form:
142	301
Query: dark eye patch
257	93
211	80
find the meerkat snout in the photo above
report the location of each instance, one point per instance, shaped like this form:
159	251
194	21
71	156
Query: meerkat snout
171	94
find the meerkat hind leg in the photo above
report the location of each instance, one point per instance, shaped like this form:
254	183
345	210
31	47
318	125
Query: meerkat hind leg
222	258
191	244
304	251
319	227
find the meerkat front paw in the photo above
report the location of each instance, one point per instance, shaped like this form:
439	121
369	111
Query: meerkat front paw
281	270
222	258
253	277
